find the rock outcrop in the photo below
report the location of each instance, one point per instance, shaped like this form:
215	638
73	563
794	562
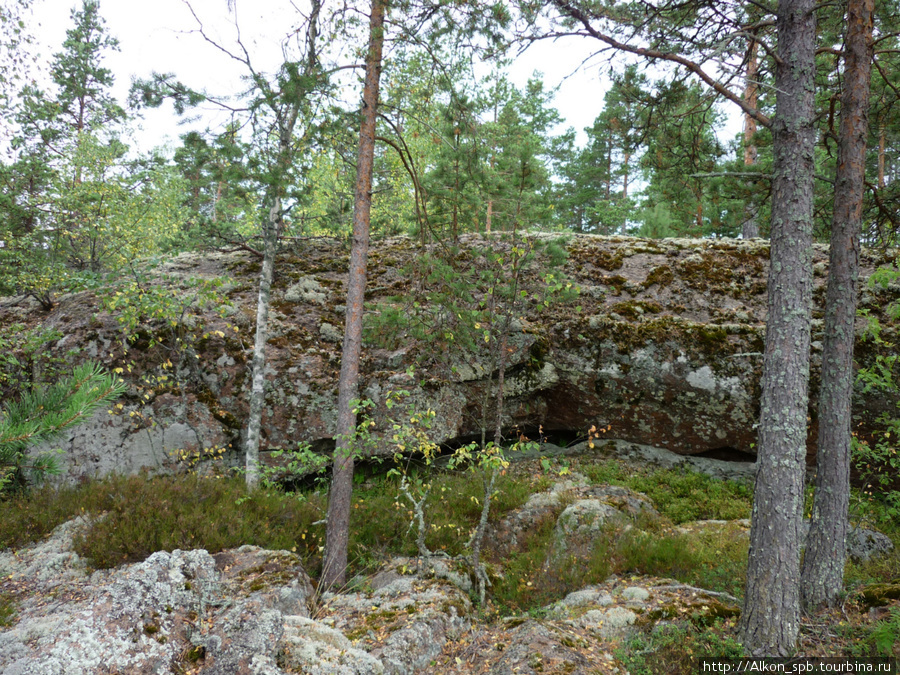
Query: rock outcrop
661	346
249	611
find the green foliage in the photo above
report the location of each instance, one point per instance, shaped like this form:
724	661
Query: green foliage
298	464
73	202
596	194
886	634
218	199
674	649
42	414
169	306
535	574
878	462
714	558
163	514
8	609
25	358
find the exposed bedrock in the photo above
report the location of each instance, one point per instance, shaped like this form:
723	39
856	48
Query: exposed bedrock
662	346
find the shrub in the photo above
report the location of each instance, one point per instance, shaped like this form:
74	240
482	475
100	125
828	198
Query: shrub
674	649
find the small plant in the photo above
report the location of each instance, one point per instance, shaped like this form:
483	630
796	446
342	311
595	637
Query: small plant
878	462
8	609
674	649
188	512
41	414
886	635
300	463
410	439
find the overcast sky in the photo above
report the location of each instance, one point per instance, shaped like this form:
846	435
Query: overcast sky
158	36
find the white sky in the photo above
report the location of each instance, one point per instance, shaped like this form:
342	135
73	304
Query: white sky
156	36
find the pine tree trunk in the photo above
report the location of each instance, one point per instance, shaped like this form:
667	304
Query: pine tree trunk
771	616
337	534
822	577
750	226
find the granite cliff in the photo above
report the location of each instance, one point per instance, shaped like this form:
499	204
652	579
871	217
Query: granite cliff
660	343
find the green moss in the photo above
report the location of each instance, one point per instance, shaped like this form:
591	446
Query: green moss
8	609
634	309
627	336
194	654
708	273
661	275
224	417
877	595
617	282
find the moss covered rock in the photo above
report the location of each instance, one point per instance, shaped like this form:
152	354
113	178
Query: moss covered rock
662	346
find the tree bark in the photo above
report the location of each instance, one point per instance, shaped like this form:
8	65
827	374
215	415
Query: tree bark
286	119
822	576
337	534
258	390
750	226
771	616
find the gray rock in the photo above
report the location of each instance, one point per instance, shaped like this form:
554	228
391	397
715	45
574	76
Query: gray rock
583	519
408	621
143	618
864	544
635	594
315	649
609	623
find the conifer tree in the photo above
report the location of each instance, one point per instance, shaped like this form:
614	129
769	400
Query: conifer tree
41	415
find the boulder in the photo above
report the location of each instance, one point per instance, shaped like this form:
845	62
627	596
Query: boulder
223	614
661	347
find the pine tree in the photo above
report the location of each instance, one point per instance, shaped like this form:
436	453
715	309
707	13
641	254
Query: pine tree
41	415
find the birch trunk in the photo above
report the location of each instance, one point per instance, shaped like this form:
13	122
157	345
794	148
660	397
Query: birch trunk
286	119
258	390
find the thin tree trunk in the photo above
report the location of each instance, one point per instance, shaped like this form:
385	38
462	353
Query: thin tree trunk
337	534
286	116
771	616
822	577
882	142
750	226
258	390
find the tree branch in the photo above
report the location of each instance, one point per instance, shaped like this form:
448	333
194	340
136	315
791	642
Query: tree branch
569	9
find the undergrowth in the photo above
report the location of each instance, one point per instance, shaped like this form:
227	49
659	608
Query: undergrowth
131	517
674	649
678	494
